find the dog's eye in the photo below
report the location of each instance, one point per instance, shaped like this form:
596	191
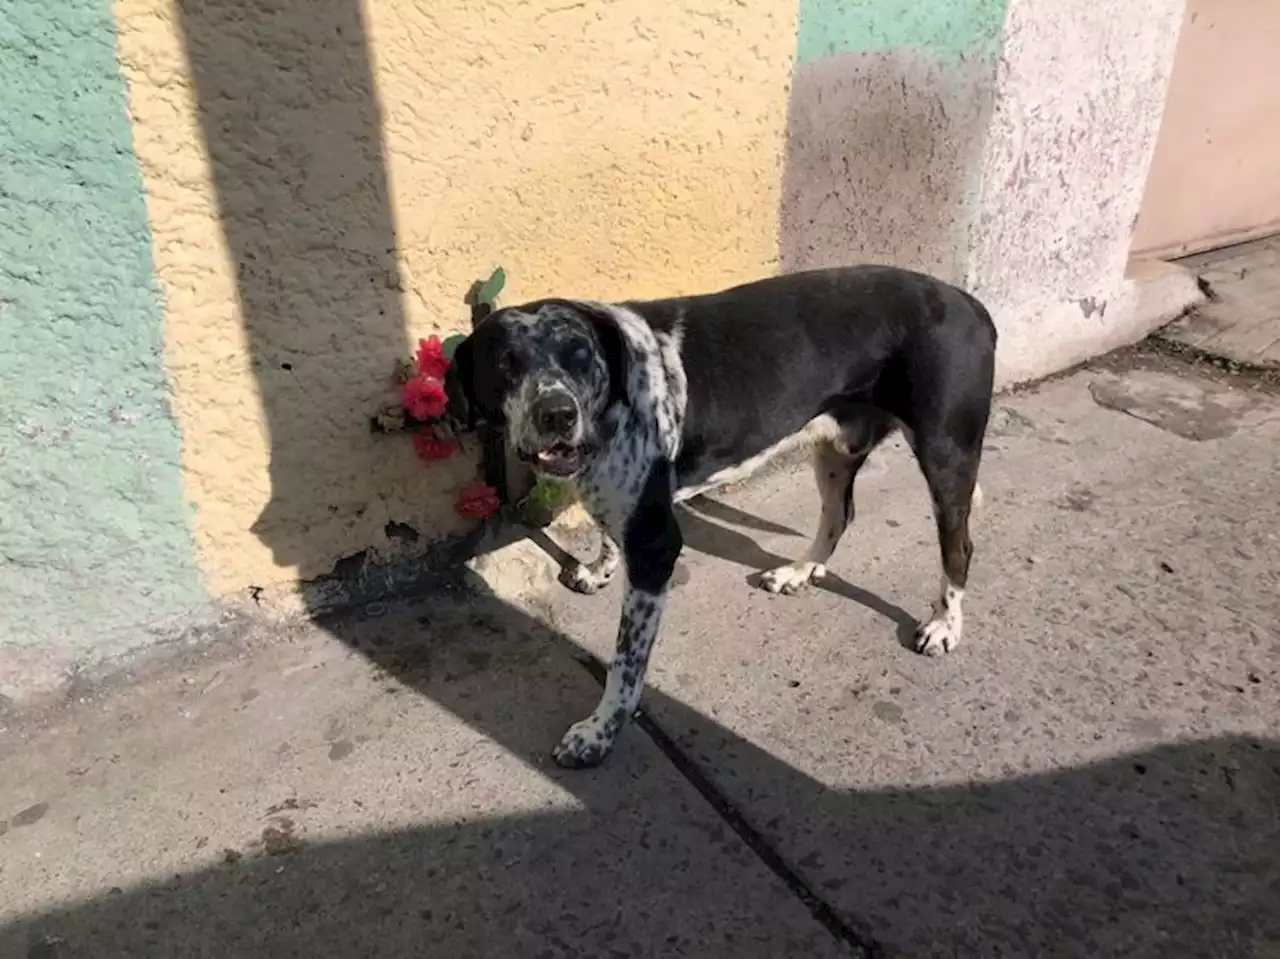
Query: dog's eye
577	356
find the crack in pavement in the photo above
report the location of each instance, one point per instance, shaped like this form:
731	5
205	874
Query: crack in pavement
844	929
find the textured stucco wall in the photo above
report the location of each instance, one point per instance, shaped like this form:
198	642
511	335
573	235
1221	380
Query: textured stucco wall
325	182
94	532
1079	98
886	122
1004	145
318	185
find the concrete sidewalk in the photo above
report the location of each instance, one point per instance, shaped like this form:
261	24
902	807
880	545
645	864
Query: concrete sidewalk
1096	772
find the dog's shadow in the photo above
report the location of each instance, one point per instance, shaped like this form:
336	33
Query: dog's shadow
707	526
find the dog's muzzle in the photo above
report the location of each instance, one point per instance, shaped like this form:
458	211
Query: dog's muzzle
556	447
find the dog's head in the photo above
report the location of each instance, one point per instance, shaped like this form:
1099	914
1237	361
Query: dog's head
545	373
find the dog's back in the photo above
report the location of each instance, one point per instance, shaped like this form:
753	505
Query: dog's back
765	358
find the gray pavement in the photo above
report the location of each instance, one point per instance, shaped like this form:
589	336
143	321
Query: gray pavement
1095	772
1241	320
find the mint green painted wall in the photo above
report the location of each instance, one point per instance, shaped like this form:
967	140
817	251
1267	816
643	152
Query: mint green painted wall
946	28
94	537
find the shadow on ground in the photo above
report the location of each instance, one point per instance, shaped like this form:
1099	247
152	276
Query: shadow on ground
1169	851
703	535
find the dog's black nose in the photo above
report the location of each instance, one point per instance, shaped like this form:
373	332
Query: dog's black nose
556	414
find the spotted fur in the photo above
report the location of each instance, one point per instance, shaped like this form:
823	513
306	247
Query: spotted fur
643	404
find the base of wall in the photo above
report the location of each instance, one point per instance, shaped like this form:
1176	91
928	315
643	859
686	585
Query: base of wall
1151	295
37	676
499	553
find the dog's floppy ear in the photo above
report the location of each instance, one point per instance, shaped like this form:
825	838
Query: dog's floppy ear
459	384
617	359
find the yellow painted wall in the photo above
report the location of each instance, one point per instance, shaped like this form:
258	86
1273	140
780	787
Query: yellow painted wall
326	180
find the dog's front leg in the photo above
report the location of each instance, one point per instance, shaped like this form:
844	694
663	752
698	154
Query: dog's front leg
651	543
588	741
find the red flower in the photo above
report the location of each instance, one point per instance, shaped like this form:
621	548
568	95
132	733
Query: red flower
477	501
424	398
430	445
431	359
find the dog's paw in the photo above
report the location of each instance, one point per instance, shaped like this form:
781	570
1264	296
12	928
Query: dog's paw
585	579
585	744
939	636
791	578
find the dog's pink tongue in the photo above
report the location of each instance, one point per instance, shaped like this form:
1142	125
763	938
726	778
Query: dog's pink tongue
546	456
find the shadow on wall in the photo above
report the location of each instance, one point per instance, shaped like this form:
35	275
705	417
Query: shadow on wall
290	118
882	152
1169	848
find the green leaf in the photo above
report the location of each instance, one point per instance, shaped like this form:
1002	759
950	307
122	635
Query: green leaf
490	288
450	344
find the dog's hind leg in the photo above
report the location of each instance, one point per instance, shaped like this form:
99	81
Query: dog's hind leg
838	454
594	576
951	470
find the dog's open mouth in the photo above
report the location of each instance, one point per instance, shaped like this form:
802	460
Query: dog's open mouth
560	459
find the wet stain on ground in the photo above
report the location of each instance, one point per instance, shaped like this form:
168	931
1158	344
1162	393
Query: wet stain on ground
1196	410
30	815
279	839
341	749
888	712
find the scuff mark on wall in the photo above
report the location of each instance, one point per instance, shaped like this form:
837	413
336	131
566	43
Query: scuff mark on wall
1090	306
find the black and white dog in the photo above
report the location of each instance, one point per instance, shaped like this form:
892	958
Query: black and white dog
643	404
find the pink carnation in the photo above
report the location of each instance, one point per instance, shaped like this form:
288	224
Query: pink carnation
431	359
424	398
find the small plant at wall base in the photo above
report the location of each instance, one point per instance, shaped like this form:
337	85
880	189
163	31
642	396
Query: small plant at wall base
423	409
